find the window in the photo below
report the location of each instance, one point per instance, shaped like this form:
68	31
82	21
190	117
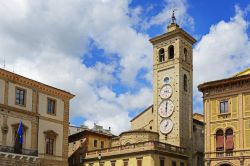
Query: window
185	82
125	162
171	52
173	163
95	143
219	140
112	163
182	164
185	54
50	142
161	162
229	139
161	55
102	144
50	146
20	96
223	107
139	161
51	106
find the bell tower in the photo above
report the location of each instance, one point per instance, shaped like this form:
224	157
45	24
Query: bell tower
173	86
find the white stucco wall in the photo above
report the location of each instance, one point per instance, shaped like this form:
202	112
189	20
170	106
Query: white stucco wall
2	87
12	97
43	99
45	126
10	134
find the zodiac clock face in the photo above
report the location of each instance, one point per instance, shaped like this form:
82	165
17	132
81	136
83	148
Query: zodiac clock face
166	126
166	108
166	91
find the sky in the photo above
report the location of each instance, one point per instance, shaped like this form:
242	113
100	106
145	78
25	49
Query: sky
99	49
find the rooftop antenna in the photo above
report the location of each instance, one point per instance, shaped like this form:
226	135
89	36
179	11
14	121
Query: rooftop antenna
173	17
4	62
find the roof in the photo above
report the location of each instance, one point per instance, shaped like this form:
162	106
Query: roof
242	76
34	84
244	72
199	117
86	131
137	116
139	131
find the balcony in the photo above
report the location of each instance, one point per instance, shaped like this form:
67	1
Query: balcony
137	148
227	154
9	149
29	155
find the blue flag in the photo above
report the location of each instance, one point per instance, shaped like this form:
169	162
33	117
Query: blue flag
20	133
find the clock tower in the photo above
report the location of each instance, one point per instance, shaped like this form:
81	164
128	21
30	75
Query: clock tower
173	86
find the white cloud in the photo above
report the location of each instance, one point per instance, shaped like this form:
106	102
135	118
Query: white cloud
181	14
222	52
46	40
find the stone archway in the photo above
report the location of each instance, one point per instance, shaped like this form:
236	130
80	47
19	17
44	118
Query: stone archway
225	163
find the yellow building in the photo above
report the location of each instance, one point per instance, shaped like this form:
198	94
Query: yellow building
227	119
162	135
44	113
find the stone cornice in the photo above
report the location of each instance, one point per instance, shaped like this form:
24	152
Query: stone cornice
22	111
46	89
223	82
171	34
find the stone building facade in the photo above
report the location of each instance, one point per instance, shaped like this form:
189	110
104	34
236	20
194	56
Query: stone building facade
227	117
82	139
161	135
44	113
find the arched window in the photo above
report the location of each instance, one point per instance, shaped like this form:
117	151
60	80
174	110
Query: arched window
161	55
171	52
50	142
185	55
219	140
229	139
185	82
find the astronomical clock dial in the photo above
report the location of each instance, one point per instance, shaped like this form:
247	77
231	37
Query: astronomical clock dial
166	91
166	126
166	108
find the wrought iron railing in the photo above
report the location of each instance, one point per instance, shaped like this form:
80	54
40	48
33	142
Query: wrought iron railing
9	149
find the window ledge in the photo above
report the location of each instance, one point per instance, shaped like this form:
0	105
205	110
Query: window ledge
224	114
20	105
51	114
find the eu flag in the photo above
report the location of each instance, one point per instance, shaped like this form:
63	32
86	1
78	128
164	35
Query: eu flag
20	133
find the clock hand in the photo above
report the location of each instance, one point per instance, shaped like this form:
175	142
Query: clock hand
166	105
166	124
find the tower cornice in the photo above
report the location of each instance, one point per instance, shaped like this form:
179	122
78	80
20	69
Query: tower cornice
172	34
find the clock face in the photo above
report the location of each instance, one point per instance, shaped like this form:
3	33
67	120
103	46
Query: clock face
166	108
166	91
166	126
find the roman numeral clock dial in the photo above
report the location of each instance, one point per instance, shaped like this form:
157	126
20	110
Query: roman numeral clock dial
166	109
